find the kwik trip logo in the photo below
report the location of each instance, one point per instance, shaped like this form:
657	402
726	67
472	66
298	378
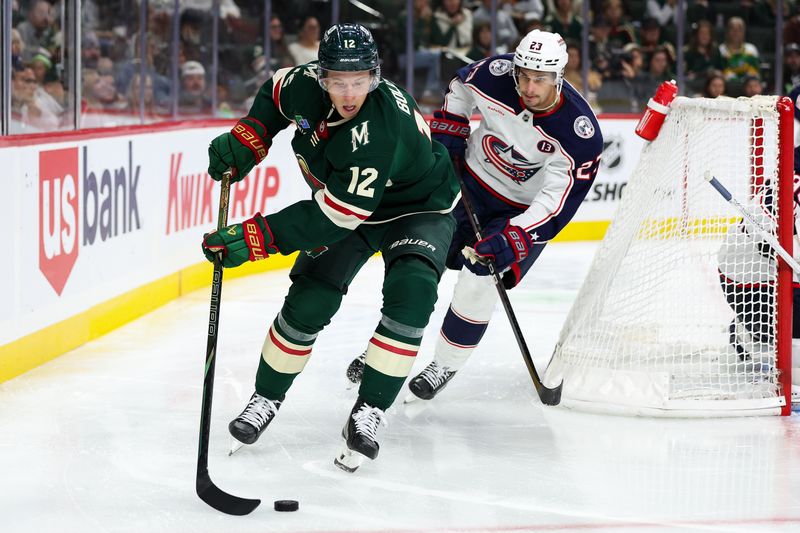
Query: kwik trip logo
80	207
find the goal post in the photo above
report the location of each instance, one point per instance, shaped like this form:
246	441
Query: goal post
685	311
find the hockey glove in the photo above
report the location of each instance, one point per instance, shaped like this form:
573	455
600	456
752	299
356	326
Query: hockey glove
452	131
511	245
251	240
241	149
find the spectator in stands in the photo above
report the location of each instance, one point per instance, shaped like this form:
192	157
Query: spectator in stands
90	50
193	98
791	67
452	27
30	104
307	46
632	65
702	53
160	85
524	11
481	41
762	13
752	86
663	11
99	91
791	30
600	51
622	31
563	19
700	10
194	36
574	75
739	58
134	95
530	22
55	88
37	31
650	39
659	70
41	63
17	47
715	85
278	49
507	33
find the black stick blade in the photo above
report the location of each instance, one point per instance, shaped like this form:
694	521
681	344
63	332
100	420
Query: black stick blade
550	396
222	501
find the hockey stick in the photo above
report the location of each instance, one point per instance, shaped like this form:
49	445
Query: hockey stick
546	395
765	234
208	492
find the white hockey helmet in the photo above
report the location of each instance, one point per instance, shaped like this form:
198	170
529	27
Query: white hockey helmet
542	51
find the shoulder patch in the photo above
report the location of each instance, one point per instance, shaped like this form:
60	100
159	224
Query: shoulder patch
583	127
498	67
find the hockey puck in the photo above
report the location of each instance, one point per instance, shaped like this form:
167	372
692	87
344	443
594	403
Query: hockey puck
286	506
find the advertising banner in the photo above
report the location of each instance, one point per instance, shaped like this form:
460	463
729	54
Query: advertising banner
89	219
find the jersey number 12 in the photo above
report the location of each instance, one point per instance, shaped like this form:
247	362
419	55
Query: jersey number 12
362	187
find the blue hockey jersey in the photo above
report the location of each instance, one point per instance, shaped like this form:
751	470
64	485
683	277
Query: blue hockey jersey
542	163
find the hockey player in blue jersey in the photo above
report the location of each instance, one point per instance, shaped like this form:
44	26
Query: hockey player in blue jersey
527	167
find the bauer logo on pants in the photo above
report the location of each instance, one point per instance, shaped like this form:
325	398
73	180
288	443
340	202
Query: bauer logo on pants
58	215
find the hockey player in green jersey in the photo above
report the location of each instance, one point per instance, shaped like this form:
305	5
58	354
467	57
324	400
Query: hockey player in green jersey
379	184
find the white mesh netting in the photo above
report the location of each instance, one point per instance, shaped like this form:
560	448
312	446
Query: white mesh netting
677	315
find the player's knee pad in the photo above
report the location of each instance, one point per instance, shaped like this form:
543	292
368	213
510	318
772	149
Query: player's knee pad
474	296
409	291
310	304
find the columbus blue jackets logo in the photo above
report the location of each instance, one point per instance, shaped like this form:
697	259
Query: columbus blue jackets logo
507	160
583	127
498	67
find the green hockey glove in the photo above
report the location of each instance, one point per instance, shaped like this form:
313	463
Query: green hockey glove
241	149
252	240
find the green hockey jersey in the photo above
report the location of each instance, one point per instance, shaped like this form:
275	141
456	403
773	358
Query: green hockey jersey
375	167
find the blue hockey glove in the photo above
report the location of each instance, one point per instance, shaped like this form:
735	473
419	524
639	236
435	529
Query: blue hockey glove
452	131
511	245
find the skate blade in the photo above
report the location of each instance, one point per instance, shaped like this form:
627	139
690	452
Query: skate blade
235	446
412	398
348	460
415	408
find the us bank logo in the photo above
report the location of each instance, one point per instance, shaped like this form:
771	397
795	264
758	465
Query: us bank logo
58	215
79	210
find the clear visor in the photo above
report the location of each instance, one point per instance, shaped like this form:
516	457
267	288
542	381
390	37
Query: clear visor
537	78
354	83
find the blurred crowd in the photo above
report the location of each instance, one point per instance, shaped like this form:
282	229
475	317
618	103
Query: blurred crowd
729	50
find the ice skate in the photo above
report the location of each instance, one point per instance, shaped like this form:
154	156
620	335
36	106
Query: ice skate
428	383
251	423
795	397
355	370
360	437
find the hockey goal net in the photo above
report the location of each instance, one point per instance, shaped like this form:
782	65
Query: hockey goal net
684	312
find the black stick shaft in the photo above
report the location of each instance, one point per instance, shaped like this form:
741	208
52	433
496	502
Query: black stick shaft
547	395
206	490
213	329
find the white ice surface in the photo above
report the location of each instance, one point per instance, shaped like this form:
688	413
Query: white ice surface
104	439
